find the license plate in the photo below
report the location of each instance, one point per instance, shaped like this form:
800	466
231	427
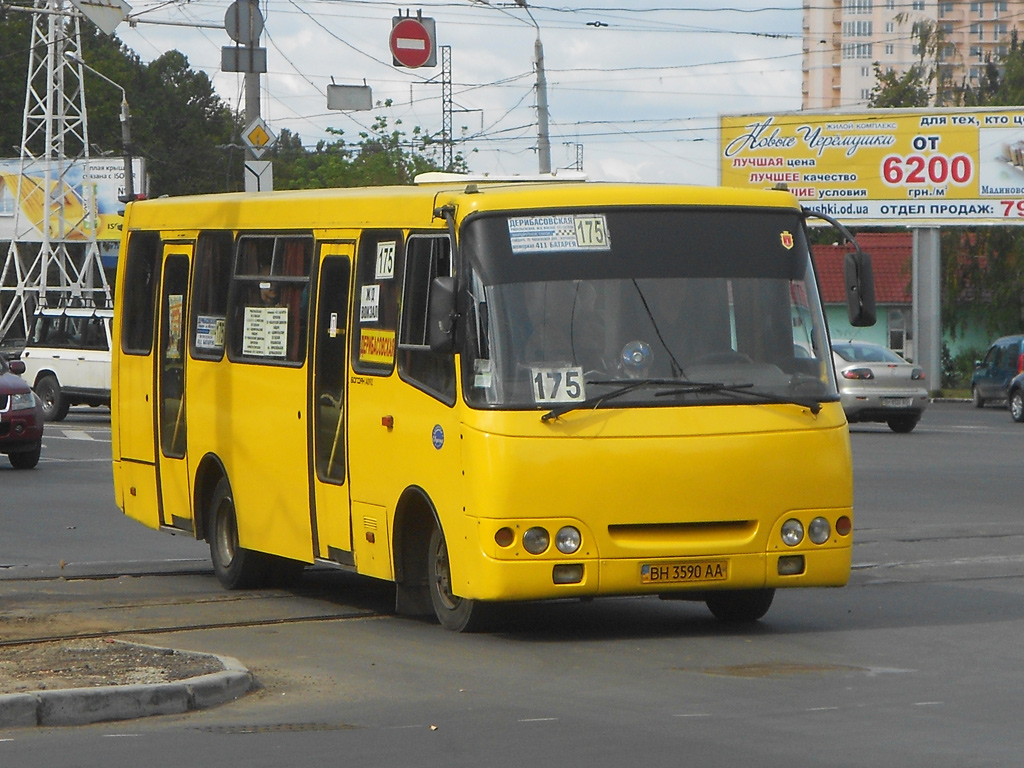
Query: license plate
896	402
681	573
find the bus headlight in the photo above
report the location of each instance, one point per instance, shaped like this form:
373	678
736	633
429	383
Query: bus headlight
792	532
819	530
568	540
536	540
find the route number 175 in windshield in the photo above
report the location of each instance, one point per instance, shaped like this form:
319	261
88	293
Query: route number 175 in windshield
558	385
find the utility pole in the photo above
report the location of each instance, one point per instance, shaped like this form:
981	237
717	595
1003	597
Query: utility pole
244	24
543	139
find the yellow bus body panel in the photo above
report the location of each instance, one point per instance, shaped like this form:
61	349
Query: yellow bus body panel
645	485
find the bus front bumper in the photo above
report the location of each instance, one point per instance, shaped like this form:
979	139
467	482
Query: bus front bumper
590	577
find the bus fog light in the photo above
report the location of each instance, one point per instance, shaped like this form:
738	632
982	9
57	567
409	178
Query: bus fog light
791	565
819	530
536	540
567	574
792	532
504	537
844	525
567	540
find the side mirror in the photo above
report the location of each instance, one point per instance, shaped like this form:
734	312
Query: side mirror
17	366
441	315
859	279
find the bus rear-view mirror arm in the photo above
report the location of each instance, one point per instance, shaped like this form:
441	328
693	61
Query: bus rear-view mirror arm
441	315
858	277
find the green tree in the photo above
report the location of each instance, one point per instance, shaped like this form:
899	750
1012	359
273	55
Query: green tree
983	267
179	124
383	155
15	36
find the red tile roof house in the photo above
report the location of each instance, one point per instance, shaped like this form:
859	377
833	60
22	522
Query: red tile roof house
891	259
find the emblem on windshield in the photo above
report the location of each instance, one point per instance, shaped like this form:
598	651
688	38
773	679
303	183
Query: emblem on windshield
787	239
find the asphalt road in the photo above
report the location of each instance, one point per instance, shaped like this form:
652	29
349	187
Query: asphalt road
918	662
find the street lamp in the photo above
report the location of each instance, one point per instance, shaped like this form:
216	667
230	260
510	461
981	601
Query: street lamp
126	132
543	139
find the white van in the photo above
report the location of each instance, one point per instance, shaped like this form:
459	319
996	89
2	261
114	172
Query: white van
67	358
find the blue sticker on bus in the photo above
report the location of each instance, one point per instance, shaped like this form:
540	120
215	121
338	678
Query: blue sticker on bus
437	436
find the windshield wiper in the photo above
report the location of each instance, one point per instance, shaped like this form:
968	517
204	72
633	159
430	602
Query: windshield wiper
628	385
742	389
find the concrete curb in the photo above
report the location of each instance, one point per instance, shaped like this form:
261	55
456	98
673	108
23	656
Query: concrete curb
81	706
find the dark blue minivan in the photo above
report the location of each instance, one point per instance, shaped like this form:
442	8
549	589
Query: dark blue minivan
992	375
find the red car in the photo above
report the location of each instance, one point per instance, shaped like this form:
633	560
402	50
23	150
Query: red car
21	417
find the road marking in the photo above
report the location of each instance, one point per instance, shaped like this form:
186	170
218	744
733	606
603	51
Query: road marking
537	720
76	435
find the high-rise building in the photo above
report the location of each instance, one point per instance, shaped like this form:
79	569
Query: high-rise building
844	39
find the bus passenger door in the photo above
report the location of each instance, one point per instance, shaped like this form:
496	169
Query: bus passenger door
176	507
332	529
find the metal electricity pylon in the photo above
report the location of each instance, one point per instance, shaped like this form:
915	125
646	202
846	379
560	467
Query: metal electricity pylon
53	258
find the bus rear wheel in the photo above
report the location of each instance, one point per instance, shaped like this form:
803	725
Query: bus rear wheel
740	606
235	567
453	612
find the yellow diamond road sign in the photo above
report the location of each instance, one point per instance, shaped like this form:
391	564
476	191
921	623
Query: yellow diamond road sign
258	137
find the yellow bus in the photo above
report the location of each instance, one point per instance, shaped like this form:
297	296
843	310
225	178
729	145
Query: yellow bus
488	392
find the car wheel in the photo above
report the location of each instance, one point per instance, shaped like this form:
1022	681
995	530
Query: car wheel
979	401
25	459
55	404
235	567
1017	405
455	613
902	424
740	606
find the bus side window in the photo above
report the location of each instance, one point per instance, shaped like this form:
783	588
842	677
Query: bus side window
375	304
270	299
210	285
425	259
142	274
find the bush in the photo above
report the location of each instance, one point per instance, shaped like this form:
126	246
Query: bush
957	371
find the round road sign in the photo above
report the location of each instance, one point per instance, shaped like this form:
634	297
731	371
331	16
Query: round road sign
411	44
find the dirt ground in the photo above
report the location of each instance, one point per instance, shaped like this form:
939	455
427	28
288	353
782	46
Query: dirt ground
95	662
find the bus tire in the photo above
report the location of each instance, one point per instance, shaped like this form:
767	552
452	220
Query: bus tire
55	404
235	567
740	606
454	613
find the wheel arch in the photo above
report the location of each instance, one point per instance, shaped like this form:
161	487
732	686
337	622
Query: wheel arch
415	518
43	373
210	472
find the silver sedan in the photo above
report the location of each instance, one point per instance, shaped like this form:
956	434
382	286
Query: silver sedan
876	384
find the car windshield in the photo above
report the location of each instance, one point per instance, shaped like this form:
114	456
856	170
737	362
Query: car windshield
660	307
866	353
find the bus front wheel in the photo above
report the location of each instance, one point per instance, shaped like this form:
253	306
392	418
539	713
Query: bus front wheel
740	606
235	567
454	613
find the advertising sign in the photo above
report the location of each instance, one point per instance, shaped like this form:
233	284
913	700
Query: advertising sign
102	181
885	166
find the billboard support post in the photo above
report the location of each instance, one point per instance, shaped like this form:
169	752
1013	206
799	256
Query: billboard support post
927	322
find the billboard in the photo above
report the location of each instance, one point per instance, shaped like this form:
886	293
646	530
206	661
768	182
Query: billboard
85	185
885	166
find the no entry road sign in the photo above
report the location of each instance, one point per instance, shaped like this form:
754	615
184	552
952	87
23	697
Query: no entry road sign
412	42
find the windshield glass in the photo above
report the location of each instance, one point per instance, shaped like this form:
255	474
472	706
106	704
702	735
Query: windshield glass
627	307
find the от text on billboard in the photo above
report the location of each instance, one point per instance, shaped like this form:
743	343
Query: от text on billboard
887	165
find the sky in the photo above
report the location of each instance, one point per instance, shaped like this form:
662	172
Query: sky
635	87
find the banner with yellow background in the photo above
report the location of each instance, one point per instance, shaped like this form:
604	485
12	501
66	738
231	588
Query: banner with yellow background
885	166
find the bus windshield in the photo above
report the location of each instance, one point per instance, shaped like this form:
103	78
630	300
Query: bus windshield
641	307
